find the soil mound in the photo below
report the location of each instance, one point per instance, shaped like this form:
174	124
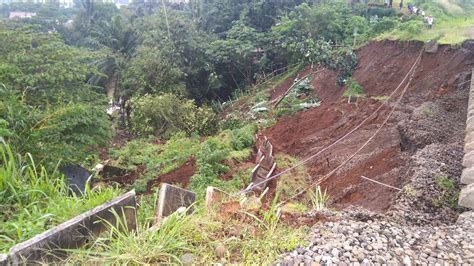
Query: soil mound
439	80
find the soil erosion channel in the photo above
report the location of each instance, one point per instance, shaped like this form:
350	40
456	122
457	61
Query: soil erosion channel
432	114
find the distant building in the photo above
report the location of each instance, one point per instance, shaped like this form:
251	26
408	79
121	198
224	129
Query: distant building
120	3
21	15
62	3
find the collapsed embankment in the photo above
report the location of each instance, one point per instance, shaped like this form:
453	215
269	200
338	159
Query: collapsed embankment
422	141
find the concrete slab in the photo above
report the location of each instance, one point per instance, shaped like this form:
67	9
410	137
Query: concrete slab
467	176
259	156
76	177
50	245
268	149
171	199
267	162
214	198
466	197
255	172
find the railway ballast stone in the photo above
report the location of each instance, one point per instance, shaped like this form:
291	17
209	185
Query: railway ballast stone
467	176
468	160
466	197
355	241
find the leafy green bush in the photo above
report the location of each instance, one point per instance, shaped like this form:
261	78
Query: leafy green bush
69	132
140	185
385	24
243	137
413	27
134	153
168	114
382	12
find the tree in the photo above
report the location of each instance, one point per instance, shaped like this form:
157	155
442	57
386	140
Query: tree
118	40
151	72
237	55
43	68
177	39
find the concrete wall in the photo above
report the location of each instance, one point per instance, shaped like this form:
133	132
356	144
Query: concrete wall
50	245
466	198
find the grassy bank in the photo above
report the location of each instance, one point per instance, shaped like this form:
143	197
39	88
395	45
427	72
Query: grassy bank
33	200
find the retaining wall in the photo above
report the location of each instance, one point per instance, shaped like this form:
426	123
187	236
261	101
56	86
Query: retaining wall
265	165
466	198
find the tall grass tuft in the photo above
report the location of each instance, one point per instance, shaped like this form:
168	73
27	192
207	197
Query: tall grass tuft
33	200
146	245
318	198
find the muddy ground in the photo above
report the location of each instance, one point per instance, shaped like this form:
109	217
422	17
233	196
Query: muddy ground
422	141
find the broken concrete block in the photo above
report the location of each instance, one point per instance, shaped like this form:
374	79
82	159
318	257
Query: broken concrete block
259	156
255	172
3	259
214	197
467	176
76	177
431	47
268	149
468	160
267	162
466	197
171	199
51	245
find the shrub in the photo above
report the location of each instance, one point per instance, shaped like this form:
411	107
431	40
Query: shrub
69	132
243	137
168	114
134	153
382	12
384	25
140	185
413	27
353	89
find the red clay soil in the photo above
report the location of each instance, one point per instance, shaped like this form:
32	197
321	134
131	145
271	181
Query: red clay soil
181	175
381	67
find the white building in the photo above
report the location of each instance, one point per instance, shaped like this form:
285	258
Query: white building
20	15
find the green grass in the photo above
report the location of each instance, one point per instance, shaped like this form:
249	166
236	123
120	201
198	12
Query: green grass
248	238
33	200
450	31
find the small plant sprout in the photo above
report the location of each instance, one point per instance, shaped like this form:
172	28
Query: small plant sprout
318	198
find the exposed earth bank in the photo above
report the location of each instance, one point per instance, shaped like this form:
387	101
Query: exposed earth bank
422	141
419	150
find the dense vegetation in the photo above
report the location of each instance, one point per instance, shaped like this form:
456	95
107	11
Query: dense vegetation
168	69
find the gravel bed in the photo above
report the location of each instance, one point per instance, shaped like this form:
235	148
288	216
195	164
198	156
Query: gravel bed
380	241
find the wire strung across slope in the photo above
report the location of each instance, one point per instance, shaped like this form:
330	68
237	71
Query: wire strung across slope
325	177
249	188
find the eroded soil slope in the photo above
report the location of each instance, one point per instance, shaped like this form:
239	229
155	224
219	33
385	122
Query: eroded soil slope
423	138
